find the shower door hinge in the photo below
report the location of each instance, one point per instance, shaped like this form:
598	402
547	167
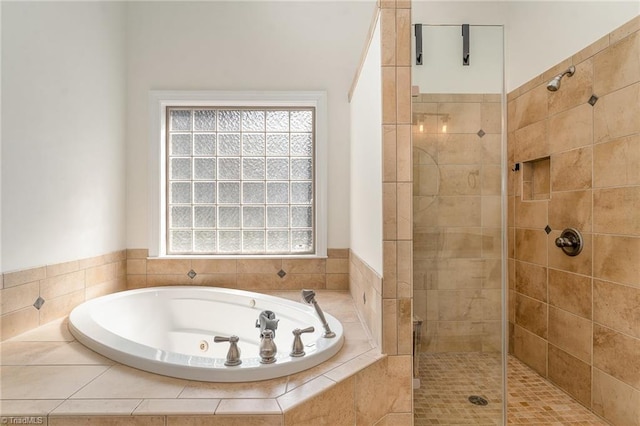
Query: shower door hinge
418	34
465	44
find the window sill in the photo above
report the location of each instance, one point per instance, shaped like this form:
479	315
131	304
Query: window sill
238	256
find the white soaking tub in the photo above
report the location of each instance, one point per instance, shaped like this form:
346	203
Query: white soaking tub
170	331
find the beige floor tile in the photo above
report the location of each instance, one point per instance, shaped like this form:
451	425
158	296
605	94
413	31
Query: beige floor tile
302	393
28	407
177	406
264	389
248	406
90	407
49	353
126	382
46	382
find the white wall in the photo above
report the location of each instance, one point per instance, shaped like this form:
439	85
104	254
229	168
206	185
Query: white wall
544	33
539	34
243	46
63	115
366	159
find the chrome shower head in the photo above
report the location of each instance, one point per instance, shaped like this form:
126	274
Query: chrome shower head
554	84
308	296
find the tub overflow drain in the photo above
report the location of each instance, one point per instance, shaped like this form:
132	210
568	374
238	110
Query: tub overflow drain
477	400
204	346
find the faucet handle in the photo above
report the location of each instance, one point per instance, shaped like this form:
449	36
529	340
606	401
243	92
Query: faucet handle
298	348
233	355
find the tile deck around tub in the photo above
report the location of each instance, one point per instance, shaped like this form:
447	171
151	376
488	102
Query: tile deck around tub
45	372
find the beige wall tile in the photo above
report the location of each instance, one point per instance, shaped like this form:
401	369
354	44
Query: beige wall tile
18	322
337	282
403	96
570	333
459	149
571	210
491	117
309	266
405	327
92	262
571	129
404	211
168	279
618	66
371	404
300	281
491	180
389	151
616	306
404	151
63	284
388	95
571	170
390	326
137	253
492	243
617	114
399	374
491	149
216	280
570	292
626	29
459	211
168	266
338	253
459	180
388	36
570	374
556	69
404	30
617	355
225	420
575	90
614	400
615	210
616	259
389	211
617	163
459	274
100	274
60	306
531	214
460	305
532	142
531	246
335	406
18	297
11	279
491	211
214	266
136	266
390	266
580	264
591	50
105	288
337	266
460	117
531	280
530	349
136	281
530	107
62	268
262	266
405	268
531	314
106	421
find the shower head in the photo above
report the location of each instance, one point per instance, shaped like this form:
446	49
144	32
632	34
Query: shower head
554	84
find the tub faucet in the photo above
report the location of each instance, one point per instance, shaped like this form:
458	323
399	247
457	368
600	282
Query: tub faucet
309	296
267	321
233	355
268	348
298	347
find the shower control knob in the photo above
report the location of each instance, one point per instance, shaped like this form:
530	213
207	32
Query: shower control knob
570	241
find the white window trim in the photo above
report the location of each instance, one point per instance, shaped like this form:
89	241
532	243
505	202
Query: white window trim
160	99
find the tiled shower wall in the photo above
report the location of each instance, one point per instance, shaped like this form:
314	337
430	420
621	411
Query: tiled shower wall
59	288
576	320
457	221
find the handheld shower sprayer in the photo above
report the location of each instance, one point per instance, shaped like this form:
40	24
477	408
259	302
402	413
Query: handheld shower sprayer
309	297
554	84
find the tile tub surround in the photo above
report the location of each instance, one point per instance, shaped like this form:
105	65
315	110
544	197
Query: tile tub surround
456	221
575	319
47	373
258	275
62	286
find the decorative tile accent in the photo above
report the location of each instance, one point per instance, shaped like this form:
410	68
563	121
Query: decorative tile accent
38	303
281	273
192	274
481	133
592	100
547	229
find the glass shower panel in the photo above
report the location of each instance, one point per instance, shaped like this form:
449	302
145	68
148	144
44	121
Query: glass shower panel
457	220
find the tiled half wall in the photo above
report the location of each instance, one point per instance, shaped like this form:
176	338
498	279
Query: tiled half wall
576	320
35	296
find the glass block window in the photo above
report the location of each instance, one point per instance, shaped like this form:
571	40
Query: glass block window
240	180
